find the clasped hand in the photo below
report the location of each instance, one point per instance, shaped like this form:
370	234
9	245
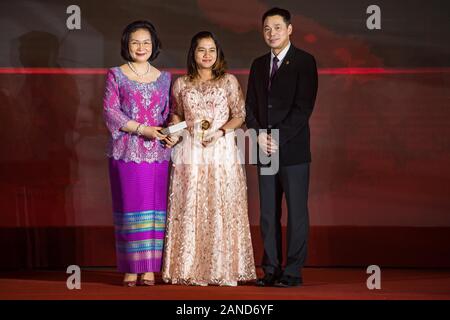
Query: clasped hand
267	143
211	138
155	133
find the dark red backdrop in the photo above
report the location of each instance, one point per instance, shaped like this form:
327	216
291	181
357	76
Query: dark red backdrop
380	182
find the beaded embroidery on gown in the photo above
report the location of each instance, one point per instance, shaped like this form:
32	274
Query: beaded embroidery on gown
208	237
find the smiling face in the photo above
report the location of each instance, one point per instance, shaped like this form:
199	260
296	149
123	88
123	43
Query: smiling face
140	45
276	32
205	53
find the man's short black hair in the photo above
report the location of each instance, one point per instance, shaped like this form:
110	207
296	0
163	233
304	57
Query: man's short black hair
132	27
285	14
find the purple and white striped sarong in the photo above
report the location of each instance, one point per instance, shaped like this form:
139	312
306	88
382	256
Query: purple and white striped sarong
139	194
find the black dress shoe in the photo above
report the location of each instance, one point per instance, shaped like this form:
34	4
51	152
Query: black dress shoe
289	281
268	280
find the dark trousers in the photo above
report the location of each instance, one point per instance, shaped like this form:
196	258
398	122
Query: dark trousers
293	181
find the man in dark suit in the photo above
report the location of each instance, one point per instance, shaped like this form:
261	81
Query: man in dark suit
281	93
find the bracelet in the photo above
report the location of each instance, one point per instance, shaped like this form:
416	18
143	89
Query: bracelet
141	130
138	131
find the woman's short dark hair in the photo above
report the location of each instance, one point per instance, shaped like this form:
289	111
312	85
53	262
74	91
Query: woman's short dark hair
219	67
285	14
132	27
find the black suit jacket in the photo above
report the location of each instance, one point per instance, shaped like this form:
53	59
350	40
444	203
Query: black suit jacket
288	105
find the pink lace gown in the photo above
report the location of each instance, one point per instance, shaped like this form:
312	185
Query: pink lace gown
208	234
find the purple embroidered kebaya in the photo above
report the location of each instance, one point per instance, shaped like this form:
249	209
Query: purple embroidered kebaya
145	103
138	169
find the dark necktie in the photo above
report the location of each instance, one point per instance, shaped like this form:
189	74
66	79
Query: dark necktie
274	69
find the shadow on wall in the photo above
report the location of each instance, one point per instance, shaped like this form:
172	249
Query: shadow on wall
39	164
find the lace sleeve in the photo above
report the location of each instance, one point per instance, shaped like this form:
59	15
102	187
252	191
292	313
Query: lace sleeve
176	105
114	117
166	110
236	101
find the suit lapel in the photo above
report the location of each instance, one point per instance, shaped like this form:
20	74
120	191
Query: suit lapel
266	71
265	66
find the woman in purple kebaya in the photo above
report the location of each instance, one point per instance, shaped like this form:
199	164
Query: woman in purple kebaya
136	107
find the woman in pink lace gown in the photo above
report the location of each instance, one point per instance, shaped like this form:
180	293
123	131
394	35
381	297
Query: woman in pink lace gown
207	231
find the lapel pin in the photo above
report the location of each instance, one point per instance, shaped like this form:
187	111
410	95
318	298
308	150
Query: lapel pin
287	61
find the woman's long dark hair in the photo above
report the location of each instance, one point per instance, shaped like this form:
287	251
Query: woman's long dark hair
219	67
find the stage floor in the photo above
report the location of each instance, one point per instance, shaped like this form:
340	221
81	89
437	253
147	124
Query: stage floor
320	283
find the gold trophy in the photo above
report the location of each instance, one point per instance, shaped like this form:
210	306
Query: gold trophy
204	125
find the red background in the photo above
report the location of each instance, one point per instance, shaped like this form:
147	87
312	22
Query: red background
380	180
